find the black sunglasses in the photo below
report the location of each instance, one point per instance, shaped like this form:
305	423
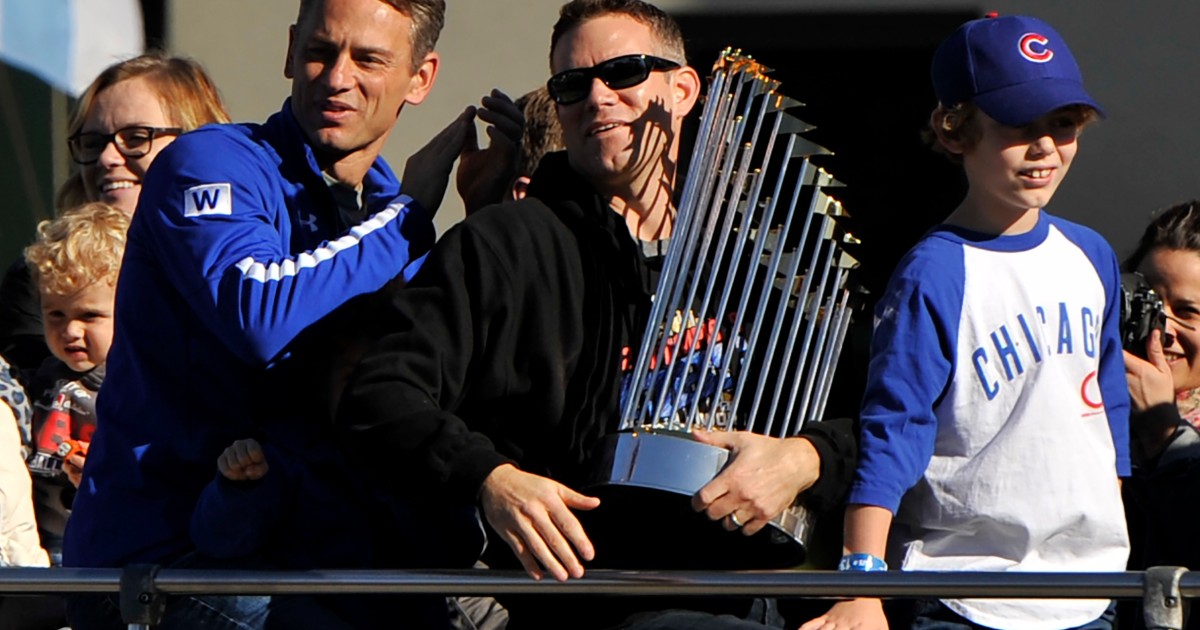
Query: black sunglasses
618	73
132	142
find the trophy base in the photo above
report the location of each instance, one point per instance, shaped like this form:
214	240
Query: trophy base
645	483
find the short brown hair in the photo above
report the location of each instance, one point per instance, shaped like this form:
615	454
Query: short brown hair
428	17
960	122
188	97
664	27
542	132
80	248
1176	228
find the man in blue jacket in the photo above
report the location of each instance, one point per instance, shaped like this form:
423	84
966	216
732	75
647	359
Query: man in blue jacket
245	236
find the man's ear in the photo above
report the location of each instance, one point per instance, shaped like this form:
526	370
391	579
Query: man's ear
287	61
686	85
423	79
520	187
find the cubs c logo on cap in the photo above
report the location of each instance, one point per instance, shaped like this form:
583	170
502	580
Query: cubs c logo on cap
1033	47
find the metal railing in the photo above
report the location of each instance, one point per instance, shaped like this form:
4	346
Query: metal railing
142	588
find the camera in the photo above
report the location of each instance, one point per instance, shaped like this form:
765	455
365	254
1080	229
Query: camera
1141	313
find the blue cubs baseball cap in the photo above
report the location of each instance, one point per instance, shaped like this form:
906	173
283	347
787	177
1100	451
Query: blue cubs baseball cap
1015	68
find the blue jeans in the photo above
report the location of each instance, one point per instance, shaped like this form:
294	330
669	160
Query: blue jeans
932	614
225	612
285	612
688	620
221	612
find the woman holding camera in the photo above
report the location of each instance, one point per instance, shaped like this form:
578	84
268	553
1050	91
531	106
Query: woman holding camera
1164	387
1164	493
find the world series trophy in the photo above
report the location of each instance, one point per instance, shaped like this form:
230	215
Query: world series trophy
751	311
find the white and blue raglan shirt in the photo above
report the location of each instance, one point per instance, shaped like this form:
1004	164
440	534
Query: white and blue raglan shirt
236	247
995	420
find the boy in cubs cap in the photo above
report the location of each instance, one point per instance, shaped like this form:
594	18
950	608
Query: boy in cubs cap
994	422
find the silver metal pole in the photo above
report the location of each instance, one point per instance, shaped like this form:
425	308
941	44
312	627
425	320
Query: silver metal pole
949	584
701	311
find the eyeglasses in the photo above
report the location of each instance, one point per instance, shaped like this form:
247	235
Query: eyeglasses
132	142
618	73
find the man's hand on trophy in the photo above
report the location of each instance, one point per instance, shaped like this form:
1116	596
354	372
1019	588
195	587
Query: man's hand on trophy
533	515
762	479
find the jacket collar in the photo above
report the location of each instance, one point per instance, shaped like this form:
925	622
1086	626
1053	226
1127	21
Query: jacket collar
379	185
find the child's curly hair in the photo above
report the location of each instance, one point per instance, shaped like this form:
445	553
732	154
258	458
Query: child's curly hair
81	247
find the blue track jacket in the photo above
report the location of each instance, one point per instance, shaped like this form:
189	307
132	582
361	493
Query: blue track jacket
235	249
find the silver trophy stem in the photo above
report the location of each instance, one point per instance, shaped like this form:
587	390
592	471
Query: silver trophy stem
702	370
834	349
798	319
684	307
703	148
677	256
717	257
732	338
743	303
818	345
823	179
760	311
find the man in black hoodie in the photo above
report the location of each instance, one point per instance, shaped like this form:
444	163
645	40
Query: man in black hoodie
500	372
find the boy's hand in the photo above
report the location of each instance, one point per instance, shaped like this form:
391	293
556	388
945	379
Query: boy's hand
856	614
73	464
243	460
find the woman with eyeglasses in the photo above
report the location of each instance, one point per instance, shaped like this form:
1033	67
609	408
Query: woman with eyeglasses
1164	386
1163	496
126	116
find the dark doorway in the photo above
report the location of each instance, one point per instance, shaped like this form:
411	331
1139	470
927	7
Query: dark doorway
864	78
